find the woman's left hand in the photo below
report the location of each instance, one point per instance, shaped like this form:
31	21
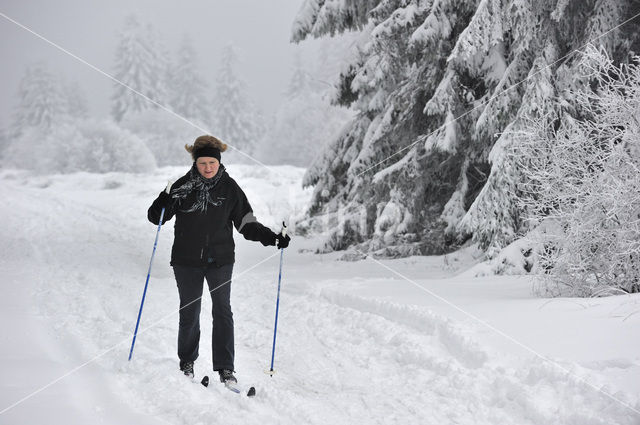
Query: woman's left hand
282	241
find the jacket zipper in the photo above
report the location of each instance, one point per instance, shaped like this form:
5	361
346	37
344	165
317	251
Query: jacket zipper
206	245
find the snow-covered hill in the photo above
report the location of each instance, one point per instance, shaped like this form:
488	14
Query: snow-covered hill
358	342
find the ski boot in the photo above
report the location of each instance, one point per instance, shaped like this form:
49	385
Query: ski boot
187	369
226	376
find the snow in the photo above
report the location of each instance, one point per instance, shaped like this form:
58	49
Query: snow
433	26
390	219
413	340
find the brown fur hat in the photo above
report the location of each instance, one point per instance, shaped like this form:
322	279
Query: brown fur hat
205	141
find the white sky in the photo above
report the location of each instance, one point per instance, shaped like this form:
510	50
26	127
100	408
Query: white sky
259	29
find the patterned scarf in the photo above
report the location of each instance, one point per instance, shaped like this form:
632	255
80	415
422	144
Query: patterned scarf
201	186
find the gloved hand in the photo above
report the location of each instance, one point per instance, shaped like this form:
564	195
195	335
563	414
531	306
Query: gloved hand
164	199
282	241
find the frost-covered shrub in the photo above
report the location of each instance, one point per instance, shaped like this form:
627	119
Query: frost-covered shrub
34	149
91	145
111	148
584	175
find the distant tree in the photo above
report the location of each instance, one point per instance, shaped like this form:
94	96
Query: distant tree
76	99
235	118
4	143
41	102
165	134
188	89
42	108
300	81
142	66
303	124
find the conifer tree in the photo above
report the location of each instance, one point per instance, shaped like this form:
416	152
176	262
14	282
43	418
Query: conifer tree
188	89
41	103
303	124
76	99
235	118
141	65
437	84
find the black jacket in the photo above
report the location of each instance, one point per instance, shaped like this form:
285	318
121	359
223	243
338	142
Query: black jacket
206	237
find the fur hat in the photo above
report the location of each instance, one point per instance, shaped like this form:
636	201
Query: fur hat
206	146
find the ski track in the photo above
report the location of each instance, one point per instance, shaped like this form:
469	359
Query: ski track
339	358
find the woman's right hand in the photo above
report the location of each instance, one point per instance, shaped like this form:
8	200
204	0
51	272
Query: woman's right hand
164	199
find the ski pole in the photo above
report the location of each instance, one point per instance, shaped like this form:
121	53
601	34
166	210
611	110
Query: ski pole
144	294
146	284
275	328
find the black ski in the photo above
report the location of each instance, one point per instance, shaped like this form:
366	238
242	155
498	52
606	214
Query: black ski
231	386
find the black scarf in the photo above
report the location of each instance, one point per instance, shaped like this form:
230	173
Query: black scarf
201	186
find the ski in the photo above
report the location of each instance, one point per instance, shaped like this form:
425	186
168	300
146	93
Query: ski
231	386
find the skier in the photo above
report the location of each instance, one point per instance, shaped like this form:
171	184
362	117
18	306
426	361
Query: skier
206	202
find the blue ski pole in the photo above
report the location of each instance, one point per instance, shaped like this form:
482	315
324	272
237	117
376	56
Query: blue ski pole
146	284
275	328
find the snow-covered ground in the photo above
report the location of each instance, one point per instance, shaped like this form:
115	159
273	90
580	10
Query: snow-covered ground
413	340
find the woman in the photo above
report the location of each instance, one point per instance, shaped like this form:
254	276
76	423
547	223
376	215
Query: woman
206	203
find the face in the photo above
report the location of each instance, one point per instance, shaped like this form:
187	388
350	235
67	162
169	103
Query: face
207	166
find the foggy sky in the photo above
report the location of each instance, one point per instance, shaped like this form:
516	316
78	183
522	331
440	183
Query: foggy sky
259	29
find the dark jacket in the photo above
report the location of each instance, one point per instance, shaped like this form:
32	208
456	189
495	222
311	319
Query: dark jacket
206	237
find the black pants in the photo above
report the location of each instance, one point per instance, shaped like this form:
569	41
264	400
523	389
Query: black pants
190	282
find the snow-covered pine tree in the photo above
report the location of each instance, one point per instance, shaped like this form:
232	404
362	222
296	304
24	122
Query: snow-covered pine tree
141	65
235	118
299	82
402	49
41	102
42	108
188	89
495	219
436	82
76	99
